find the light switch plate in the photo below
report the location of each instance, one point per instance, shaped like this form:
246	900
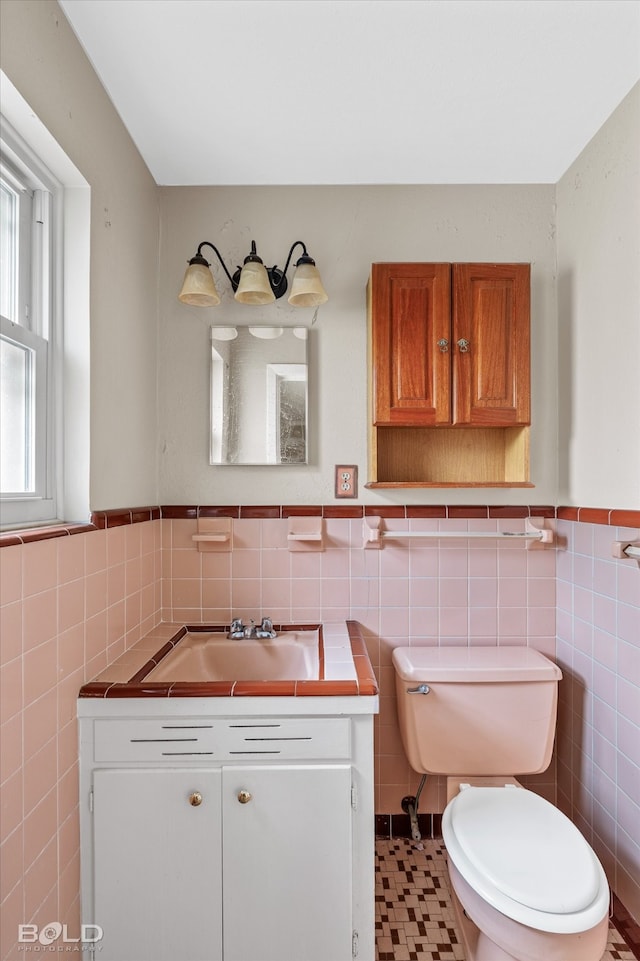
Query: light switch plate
346	480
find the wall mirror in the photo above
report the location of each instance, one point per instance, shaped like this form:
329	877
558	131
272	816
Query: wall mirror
259	395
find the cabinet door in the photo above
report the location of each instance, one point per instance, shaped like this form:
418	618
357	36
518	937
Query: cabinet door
491	344
410	337
157	865
287	863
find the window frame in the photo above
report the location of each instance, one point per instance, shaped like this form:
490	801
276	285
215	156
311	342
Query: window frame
38	329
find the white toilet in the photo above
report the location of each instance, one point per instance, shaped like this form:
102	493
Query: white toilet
526	885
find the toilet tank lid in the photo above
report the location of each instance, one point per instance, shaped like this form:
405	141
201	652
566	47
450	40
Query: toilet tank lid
473	664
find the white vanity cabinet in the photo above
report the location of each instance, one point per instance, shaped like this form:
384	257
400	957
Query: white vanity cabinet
156	861
228	837
287	863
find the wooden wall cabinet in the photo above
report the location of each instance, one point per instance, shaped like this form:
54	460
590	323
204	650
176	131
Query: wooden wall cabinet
449	374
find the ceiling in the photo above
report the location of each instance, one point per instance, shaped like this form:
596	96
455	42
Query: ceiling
219	92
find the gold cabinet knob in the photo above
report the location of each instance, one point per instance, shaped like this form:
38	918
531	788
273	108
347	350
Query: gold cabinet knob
244	797
195	799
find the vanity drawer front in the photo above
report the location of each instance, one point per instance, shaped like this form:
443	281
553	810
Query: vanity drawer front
155	740
288	738
221	739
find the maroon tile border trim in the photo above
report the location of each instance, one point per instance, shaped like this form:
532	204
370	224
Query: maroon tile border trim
10	540
142	514
302	510
264	688
593	515
260	512
122	518
517	512
612	516
600	515
589	515
214	511
537	510
347	511
177	512
624	518
365	684
472	511
95	689
386	510
106	520
202	689
13	538
139	689
427	511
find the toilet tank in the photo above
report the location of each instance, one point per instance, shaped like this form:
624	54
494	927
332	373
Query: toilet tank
488	710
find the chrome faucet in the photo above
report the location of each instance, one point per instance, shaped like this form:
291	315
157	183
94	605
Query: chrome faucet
266	628
239	630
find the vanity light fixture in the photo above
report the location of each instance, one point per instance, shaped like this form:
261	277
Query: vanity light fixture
253	283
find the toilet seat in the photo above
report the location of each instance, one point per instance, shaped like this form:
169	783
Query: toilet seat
525	858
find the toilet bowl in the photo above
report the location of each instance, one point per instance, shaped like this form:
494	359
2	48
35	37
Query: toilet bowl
527	885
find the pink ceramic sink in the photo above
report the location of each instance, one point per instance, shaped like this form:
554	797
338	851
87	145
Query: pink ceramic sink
292	655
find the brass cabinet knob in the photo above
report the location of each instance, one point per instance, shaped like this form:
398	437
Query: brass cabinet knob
464	345
195	799
244	797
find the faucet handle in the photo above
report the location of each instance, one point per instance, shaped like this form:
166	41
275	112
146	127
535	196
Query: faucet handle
266	628
236	624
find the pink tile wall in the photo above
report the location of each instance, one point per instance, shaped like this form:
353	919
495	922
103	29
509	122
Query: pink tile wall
68	606
598	648
448	592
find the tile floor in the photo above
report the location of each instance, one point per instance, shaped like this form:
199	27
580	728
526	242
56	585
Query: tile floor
414	915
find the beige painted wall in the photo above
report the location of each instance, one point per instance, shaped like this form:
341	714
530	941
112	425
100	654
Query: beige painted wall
599	317
45	62
345	229
147	450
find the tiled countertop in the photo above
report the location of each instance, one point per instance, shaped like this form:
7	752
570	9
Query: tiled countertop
345	668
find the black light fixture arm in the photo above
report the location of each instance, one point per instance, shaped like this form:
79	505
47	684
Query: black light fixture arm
199	259
278	278
305	258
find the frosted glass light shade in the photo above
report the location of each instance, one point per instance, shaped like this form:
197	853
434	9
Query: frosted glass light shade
306	288
254	286
198	287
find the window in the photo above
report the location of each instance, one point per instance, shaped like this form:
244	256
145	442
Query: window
30	214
